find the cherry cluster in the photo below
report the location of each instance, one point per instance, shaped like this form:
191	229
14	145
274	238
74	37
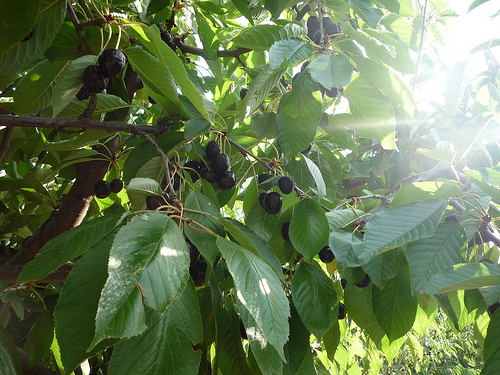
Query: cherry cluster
102	189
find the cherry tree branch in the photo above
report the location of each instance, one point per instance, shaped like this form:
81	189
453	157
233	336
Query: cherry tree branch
79	31
187	48
4	145
65	122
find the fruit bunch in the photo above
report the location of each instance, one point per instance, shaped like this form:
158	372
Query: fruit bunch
96	77
167	38
272	201
220	173
330	29
102	189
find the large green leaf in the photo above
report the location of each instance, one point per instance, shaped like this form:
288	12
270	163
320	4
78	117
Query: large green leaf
167	345
297	348
205	242
331	70
150	38
262	223
260	87
491	351
259	289
34	91
426	190
372	112
292	51
266	355
40	338
297	118
149	251
318	177
429	256
464	276
69	82
309	228
153	73
398	92
347	248
262	37
207	35
394	227
394	306
68	246
9	359
50	18
139	188
314	298
384	266
76	307
18	24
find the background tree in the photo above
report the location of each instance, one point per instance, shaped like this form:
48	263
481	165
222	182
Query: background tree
242	187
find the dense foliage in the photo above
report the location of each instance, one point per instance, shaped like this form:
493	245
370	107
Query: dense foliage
244	187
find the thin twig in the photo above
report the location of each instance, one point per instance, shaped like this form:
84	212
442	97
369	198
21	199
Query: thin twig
321	31
81	36
187	48
373	196
89	111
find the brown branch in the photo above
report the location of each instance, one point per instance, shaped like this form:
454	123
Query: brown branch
10	273
89	111
171	21
187	48
63	122
4	145
81	36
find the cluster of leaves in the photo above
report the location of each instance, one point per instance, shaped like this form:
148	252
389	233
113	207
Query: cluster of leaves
375	177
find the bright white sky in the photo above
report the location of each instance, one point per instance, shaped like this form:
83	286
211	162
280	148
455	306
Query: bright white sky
465	32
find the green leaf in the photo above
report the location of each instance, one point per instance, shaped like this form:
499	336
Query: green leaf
76	307
68	246
105	103
207	36
250	241
318	177
297	348
89	138
69	82
338	219
50	18
276	7
315	299
309	228
167	345
262	223
139	188
9	359
464	276
398	25
367	12
427	190
17	25
292	51
332	162
347	248
429	256
242	6
153	73
456	83
331	70
384	266
40	338
297	119
262	37
150	251
394	306
259	289
150	38
491	351
156	6
260	87
476	3
264	124
205	242
394	227
196	127
358	302
397	91
34	91
372	113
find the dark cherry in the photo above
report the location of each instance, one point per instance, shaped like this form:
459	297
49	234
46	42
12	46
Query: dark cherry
212	149
94	78
263	177
243	93
262	196
112	61
102	189
286	184
326	254
155	201
116	185
341	311
285	231
365	282
221	163
273	203
226	180
209	175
